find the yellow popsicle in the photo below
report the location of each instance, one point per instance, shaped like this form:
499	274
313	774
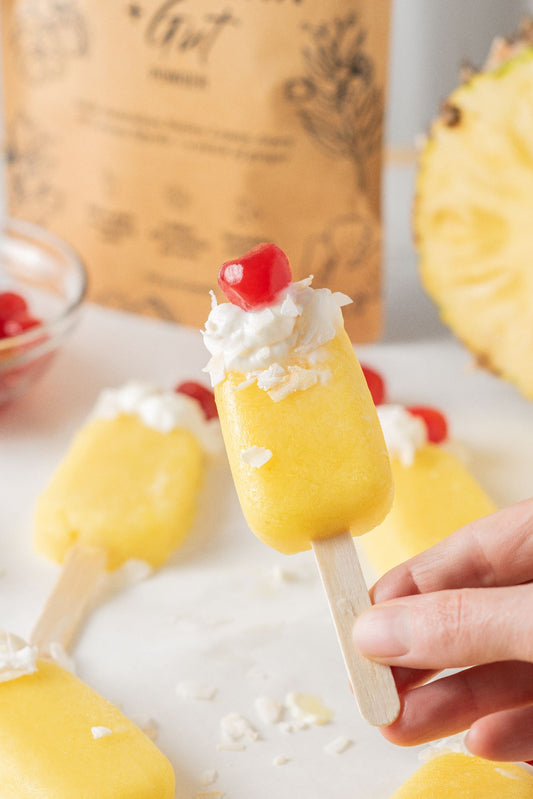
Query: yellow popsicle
303	439
460	776
329	469
59	739
434	495
124	486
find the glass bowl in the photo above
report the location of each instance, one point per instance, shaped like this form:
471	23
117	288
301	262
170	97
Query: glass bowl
47	273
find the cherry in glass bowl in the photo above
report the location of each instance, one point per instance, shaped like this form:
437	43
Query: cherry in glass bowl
42	286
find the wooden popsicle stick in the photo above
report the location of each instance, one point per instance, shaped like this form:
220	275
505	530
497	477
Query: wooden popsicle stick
66	605
347	594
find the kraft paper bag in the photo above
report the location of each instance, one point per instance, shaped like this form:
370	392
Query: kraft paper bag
161	138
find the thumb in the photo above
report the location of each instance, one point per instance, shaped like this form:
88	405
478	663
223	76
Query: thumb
449	629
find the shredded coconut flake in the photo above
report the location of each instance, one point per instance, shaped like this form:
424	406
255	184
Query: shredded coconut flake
191	689
506	774
269	710
235	727
101	732
338	745
231	746
209	777
17	657
308	709
256	456
280	760
260	344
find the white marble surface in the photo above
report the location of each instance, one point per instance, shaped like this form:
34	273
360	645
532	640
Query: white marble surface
226	610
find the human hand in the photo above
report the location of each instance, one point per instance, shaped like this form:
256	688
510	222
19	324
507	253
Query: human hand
466	603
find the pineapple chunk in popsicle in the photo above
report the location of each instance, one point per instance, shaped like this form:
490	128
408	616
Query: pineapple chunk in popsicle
130	480
303	439
300	428
59	739
454	775
434	494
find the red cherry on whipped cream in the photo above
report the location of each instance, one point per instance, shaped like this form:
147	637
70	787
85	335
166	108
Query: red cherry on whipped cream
435	421
255	279
202	395
375	383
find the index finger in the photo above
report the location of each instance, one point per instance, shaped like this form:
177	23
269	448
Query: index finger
495	550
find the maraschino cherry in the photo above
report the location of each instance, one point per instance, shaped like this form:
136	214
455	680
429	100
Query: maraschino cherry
202	395
375	383
15	317
435	421
255	279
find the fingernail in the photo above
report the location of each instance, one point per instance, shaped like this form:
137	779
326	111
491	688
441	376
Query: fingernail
383	632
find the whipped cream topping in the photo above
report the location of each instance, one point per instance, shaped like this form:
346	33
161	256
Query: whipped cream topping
404	433
264	344
161	410
17	657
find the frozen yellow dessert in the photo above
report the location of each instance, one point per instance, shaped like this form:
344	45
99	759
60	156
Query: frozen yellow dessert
300	427
59	739
460	776
434	493
130	480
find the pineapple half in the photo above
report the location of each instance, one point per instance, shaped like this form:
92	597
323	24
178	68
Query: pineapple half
473	216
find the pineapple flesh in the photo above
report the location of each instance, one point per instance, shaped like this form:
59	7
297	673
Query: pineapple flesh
473	216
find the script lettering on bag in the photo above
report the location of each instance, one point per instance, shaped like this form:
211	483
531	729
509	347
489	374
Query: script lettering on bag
173	30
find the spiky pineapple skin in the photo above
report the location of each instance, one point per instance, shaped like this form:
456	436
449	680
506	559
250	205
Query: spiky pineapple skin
473	217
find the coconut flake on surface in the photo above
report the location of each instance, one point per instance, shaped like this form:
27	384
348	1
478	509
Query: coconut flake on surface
256	456
235	727
192	689
269	710
208	777
280	760
17	657
308	708
338	745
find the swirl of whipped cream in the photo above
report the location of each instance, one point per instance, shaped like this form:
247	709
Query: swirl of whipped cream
403	432
160	410
252	342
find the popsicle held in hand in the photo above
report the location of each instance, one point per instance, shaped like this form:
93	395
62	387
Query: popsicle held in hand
59	739
434	492
126	490
302	436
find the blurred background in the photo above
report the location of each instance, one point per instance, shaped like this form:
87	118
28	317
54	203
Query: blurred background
429	42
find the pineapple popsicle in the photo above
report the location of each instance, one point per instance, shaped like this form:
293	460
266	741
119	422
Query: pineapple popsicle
435	493
59	739
130	480
301	432
126	490
455	775
300	428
